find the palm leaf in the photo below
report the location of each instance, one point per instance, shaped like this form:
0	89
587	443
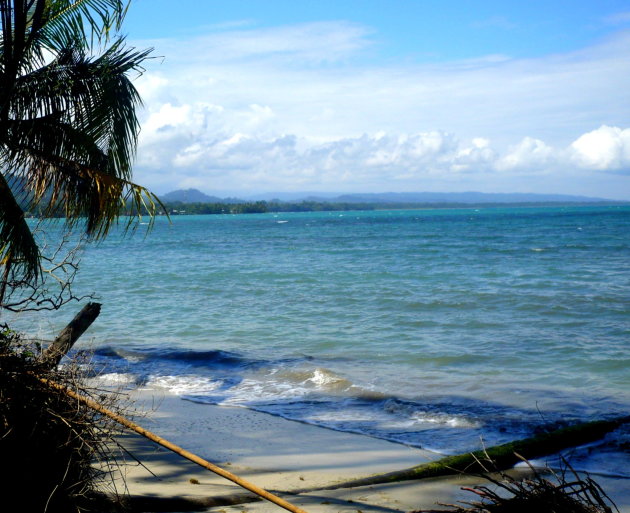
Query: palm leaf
17	244
68	128
79	149
87	21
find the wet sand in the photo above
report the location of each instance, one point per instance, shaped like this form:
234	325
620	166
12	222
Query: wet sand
280	455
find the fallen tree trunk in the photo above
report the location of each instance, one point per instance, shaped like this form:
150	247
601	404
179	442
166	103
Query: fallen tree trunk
70	334
498	457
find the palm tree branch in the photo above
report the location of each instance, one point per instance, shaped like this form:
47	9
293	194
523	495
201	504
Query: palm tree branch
17	244
95	95
87	21
65	169
68	128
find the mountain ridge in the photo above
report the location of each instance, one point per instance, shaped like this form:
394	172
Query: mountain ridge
472	197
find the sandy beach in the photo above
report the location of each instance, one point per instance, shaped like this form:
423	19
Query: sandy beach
280	455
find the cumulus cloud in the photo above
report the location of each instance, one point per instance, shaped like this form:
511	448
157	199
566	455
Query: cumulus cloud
604	149
189	143
297	108
531	155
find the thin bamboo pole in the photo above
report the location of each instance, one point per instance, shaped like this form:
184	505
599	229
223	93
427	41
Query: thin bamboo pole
176	449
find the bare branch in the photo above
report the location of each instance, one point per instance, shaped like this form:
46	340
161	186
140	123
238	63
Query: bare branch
59	265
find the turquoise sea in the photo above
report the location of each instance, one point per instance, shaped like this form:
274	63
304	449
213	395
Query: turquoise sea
433	328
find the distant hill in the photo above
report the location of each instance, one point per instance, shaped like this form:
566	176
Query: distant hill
463	197
196	196
429	197
294	196
190	196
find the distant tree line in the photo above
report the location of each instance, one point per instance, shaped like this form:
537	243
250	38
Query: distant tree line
175	208
181	208
260	207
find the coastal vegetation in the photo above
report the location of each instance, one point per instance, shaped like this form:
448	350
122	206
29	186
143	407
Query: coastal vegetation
194	202
68	120
49	441
68	137
261	207
175	208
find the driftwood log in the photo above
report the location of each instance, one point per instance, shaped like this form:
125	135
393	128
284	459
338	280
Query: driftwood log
498	457
70	334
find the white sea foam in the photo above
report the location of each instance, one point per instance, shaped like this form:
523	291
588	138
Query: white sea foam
416	416
452	421
180	385
116	379
324	378
255	390
271	386
347	415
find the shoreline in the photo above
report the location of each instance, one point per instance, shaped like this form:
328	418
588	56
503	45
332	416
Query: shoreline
283	455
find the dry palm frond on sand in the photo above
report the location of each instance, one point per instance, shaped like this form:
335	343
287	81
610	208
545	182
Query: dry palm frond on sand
564	491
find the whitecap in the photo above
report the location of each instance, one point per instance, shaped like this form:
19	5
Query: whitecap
324	378
179	385
116	379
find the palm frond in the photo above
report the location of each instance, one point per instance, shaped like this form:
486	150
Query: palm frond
17	244
87	21
68	125
95	95
67	173
73	135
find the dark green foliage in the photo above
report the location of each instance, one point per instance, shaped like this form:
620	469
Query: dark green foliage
236	206
48	440
178	207
68	127
257	207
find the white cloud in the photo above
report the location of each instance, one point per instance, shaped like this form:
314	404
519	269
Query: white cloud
393	161
531	155
604	149
296	108
303	44
167	118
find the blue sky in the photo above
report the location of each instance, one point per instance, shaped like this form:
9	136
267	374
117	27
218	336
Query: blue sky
416	29
369	96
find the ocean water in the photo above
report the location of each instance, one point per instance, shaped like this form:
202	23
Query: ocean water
440	329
